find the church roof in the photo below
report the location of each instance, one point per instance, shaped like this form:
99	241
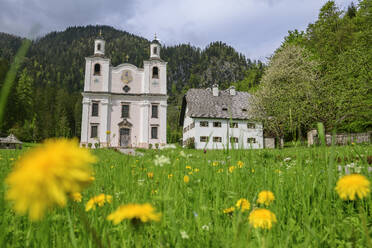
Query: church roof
201	103
155	41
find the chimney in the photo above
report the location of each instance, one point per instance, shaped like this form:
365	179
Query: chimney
232	91
215	90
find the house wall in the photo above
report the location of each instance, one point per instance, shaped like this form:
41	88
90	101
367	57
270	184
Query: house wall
242	132
188	132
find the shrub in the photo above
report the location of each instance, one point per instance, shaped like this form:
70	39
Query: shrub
190	143
90	145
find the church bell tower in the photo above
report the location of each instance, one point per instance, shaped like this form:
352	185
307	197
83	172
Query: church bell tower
155	49
99	45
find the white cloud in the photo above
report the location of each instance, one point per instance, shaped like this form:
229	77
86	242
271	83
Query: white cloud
254	27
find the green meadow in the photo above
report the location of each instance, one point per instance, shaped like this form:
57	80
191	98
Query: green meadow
308	210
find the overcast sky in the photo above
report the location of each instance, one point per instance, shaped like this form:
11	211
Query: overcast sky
253	27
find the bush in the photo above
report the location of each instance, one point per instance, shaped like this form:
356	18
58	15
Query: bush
157	145
90	145
190	143
96	145
150	146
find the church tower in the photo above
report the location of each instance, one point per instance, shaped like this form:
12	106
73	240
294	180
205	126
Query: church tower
155	49
99	45
156	70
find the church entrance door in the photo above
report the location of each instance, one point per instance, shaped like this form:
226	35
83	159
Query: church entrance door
124	137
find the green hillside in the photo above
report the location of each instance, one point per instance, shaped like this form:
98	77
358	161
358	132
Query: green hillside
46	98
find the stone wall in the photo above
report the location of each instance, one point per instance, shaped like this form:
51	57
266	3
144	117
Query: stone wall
340	139
269	142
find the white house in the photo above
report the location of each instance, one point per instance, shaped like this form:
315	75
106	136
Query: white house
215	119
124	106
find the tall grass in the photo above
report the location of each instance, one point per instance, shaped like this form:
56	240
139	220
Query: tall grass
309	212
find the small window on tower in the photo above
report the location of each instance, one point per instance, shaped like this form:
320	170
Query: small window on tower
97	69
155	72
155	50
99	47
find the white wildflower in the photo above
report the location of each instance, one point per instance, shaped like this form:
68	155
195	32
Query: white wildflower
182	154
161	160
184	235
205	228
287	159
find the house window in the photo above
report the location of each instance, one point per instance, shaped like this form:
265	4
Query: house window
251	125
99	47
234	140
95	109
224	109
155	50
216	124
155	72
217	139
97	69
94	131
154	111
251	140
125	111
244	110
204	123
203	138
233	125
154	132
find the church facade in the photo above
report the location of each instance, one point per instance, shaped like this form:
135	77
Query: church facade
124	106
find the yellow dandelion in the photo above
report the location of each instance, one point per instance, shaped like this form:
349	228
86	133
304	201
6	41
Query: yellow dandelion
215	163
243	204
265	197
142	212
91	179
232	168
229	210
99	200
76	196
262	218
188	167
44	176
190	173
252	170
170	176
11	159
219	170
150	175
196	170
186	179
240	164
351	185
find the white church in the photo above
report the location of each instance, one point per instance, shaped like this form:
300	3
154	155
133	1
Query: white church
124	106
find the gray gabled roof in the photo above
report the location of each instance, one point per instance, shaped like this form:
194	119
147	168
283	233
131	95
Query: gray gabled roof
201	103
11	139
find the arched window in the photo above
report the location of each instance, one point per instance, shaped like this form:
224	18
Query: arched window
99	47
155	72
97	69
155	50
